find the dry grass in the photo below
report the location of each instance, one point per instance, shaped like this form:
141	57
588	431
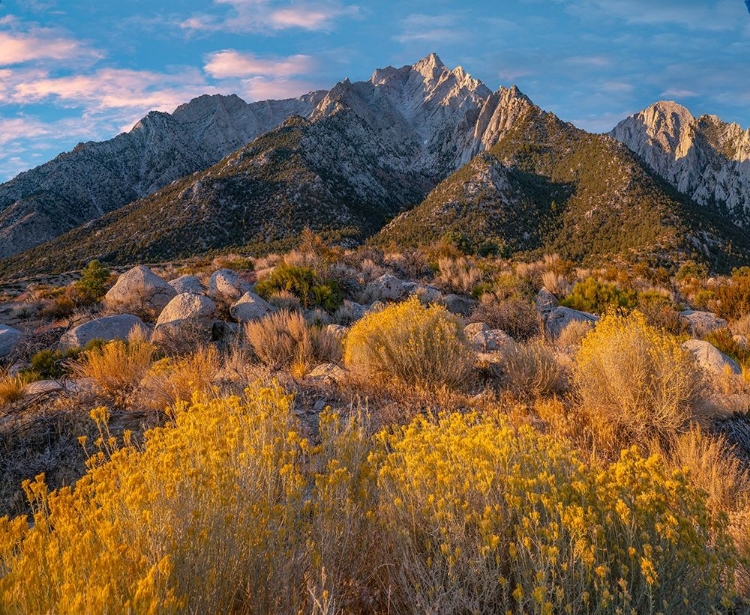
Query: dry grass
532	370
284	300
12	388
573	334
172	380
458	275
284	339
741	326
556	283
117	367
514	315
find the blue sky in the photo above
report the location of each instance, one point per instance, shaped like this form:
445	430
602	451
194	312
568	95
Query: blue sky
80	70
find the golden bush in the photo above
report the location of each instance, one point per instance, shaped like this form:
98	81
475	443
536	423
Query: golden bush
417	344
533	370
635	383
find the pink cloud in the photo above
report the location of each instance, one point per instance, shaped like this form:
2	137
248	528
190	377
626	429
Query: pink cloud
230	64
263	88
17	48
20	128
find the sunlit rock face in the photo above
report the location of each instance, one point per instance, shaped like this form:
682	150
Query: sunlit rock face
704	157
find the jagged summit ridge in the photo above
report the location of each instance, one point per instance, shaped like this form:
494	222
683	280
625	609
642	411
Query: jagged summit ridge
704	158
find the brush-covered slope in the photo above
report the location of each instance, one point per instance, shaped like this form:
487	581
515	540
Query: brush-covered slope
96	178
705	158
548	186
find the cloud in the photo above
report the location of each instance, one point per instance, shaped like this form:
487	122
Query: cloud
20	128
678	93
229	63
39	44
262	15
263	88
429	28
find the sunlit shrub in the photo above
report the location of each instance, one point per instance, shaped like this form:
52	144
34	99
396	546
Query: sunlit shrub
635	382
733	296
458	274
422	345
13	387
284	339
305	284
513	314
532	370
483	519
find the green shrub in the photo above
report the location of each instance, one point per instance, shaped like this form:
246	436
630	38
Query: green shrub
417	344
590	295
305	284
93	282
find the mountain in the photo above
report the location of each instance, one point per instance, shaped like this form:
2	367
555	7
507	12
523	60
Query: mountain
96	178
365	151
704	158
546	186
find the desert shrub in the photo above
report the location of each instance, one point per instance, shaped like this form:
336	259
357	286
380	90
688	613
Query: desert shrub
590	295
284	300
713	468
459	274
305	284
635	382
485	519
532	370
13	387
175	379
733	296
235	262
515	315
573	333
659	311
61	305
417	344
284	339
117	367
741	326
556	283
93	281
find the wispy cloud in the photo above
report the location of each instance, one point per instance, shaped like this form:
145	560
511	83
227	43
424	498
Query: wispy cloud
229	63
262	15
678	93
265	88
33	44
429	29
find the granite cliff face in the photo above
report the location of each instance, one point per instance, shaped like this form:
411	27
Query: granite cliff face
96	178
704	158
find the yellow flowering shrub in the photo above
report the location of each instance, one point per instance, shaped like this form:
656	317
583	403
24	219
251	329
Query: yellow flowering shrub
485	519
417	344
635	382
229	509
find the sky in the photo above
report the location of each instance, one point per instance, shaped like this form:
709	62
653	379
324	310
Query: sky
83	70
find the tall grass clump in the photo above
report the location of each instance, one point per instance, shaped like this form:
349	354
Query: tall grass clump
12	387
284	339
532	370
417	344
117	367
636	384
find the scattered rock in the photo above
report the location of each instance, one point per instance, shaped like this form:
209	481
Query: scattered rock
561	317
187	311
386	288
424	292
250	307
42	386
484	339
545	302
711	359
227	285
139	291
456	304
328	373
107	328
9	340
339	331
187	284
701	323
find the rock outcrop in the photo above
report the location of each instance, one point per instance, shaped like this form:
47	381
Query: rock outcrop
139	291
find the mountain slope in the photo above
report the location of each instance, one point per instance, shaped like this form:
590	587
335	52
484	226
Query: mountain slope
704	158
96	178
548	186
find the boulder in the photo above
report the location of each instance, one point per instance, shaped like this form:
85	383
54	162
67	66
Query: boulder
9	340
187	284
250	307
561	317
139	291
545	302
328	373
711	359
456	304
701	323
107	328
483	339
424	292
227	285
187	311
386	288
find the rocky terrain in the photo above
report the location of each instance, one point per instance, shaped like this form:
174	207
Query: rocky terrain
704	158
